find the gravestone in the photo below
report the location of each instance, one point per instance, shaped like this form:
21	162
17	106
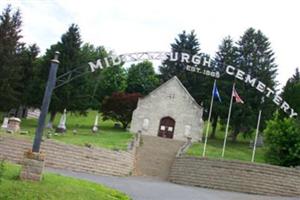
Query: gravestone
259	143
95	127
14	124
5	123
61	128
117	125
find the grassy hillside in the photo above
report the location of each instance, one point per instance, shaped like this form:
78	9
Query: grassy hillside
53	187
107	137
239	150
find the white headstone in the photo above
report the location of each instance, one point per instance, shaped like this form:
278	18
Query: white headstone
5	123
62	123
95	127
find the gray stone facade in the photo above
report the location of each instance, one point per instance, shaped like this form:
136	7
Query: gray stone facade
172	100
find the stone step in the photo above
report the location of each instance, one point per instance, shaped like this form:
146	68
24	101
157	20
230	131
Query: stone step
155	156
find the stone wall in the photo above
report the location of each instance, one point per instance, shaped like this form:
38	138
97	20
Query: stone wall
64	156
236	176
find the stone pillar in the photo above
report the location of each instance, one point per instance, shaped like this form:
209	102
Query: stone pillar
32	166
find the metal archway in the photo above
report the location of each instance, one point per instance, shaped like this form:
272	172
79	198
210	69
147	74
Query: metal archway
127	57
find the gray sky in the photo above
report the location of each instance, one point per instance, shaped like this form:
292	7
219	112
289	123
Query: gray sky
138	25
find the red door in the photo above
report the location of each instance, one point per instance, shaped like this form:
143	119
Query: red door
166	127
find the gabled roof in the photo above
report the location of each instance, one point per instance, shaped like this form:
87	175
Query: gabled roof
180	84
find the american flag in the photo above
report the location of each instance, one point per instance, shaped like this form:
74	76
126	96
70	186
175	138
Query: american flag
236	96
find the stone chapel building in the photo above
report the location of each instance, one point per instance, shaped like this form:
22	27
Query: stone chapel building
169	111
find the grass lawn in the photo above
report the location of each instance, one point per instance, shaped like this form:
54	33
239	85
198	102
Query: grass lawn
107	137
234	151
53	187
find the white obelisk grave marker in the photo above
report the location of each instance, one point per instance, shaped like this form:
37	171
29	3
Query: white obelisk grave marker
5	123
61	128
95	127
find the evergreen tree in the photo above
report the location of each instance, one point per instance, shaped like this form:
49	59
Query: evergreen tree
226	55
196	84
28	63
141	78
72	95
10	66
291	92
257	59
185	43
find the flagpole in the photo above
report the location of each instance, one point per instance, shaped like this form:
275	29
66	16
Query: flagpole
228	120
208	121
256	135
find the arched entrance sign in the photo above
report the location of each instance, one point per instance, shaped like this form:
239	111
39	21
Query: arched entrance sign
201	64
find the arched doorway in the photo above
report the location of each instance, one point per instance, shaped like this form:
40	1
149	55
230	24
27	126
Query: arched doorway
166	127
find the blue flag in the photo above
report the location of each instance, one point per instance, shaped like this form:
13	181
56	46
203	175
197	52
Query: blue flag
216	92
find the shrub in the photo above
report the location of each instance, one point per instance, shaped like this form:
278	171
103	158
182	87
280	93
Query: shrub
2	168
120	106
282	138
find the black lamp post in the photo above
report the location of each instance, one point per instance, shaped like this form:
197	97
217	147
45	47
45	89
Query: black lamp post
46	102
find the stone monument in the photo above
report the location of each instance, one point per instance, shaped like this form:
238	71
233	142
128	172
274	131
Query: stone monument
5	123
14	124
95	127
61	128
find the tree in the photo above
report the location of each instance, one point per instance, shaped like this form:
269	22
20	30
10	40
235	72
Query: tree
72	95
93	90
141	78
28	63
257	59
291	92
10	50
282	138
119	107
187	43
197	85
112	79
226	55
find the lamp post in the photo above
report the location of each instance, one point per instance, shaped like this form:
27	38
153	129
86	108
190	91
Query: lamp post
46	102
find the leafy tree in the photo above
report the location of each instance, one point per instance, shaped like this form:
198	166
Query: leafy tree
10	66
291	92
257	59
141	78
112	79
119	107
93	89
282	138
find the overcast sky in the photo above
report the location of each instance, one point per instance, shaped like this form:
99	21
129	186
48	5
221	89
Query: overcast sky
136	25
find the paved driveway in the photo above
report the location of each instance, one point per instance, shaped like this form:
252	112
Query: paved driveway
141	188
